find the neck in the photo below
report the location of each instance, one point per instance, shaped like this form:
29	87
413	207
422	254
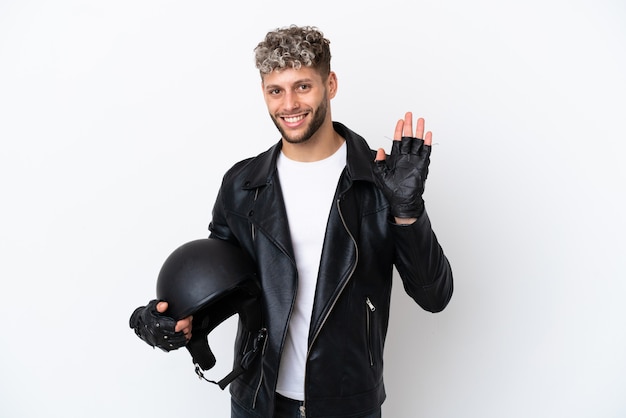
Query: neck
323	144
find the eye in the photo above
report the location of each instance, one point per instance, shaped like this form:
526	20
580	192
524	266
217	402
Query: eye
304	87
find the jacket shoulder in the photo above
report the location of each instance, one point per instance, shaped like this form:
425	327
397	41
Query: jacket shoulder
252	171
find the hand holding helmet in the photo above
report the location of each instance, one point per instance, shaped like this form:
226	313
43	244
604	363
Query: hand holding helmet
157	329
207	280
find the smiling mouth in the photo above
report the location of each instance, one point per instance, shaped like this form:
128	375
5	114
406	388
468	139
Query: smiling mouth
293	119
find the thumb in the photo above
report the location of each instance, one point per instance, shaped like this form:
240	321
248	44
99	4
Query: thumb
380	155
161	307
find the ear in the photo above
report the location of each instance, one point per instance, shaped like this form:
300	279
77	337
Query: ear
332	84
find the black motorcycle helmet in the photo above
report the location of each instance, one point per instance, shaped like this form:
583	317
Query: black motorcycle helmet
212	280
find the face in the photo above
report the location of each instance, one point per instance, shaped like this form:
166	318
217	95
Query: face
298	102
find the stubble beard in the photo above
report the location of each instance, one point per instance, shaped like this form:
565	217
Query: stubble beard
319	115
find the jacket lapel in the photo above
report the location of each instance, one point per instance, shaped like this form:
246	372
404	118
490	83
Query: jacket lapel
340	253
339	258
267	212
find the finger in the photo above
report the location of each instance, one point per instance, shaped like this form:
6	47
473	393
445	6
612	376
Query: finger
420	128
397	135
380	155
428	139
184	325
161	307
186	332
408	124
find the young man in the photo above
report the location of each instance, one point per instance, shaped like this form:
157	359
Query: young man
325	218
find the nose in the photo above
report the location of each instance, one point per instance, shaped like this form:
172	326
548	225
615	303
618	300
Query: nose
291	101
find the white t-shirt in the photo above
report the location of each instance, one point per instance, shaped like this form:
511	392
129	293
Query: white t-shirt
308	189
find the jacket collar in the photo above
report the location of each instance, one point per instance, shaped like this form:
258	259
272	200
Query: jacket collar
359	160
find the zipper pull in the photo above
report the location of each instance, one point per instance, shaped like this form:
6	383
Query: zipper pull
370	304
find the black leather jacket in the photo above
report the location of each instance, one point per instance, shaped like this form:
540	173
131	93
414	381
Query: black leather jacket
344	369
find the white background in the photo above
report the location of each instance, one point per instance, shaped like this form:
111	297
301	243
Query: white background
118	119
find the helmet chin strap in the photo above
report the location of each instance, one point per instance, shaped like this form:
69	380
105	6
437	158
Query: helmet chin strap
200	351
204	353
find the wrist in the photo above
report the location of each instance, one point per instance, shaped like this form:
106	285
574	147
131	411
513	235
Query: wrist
405	221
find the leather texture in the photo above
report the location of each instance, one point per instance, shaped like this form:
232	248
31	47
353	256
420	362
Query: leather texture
344	369
402	175
156	329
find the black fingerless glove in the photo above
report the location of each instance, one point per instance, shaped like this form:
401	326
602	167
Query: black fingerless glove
402	176
156	329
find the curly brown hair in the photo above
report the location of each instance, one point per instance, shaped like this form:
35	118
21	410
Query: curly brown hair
293	47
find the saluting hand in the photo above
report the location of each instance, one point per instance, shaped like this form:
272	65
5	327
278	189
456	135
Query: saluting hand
402	175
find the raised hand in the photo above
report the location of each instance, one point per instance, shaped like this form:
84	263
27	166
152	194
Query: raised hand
402	175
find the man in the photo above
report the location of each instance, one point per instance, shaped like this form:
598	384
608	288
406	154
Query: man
325	218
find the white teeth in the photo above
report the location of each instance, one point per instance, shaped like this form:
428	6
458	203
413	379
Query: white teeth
294	119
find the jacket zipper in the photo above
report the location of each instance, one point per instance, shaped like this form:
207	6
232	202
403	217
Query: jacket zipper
261	374
343	222
258	388
370	308
252	227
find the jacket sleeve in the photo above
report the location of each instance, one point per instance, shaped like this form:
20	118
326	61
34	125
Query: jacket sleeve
218	227
423	267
